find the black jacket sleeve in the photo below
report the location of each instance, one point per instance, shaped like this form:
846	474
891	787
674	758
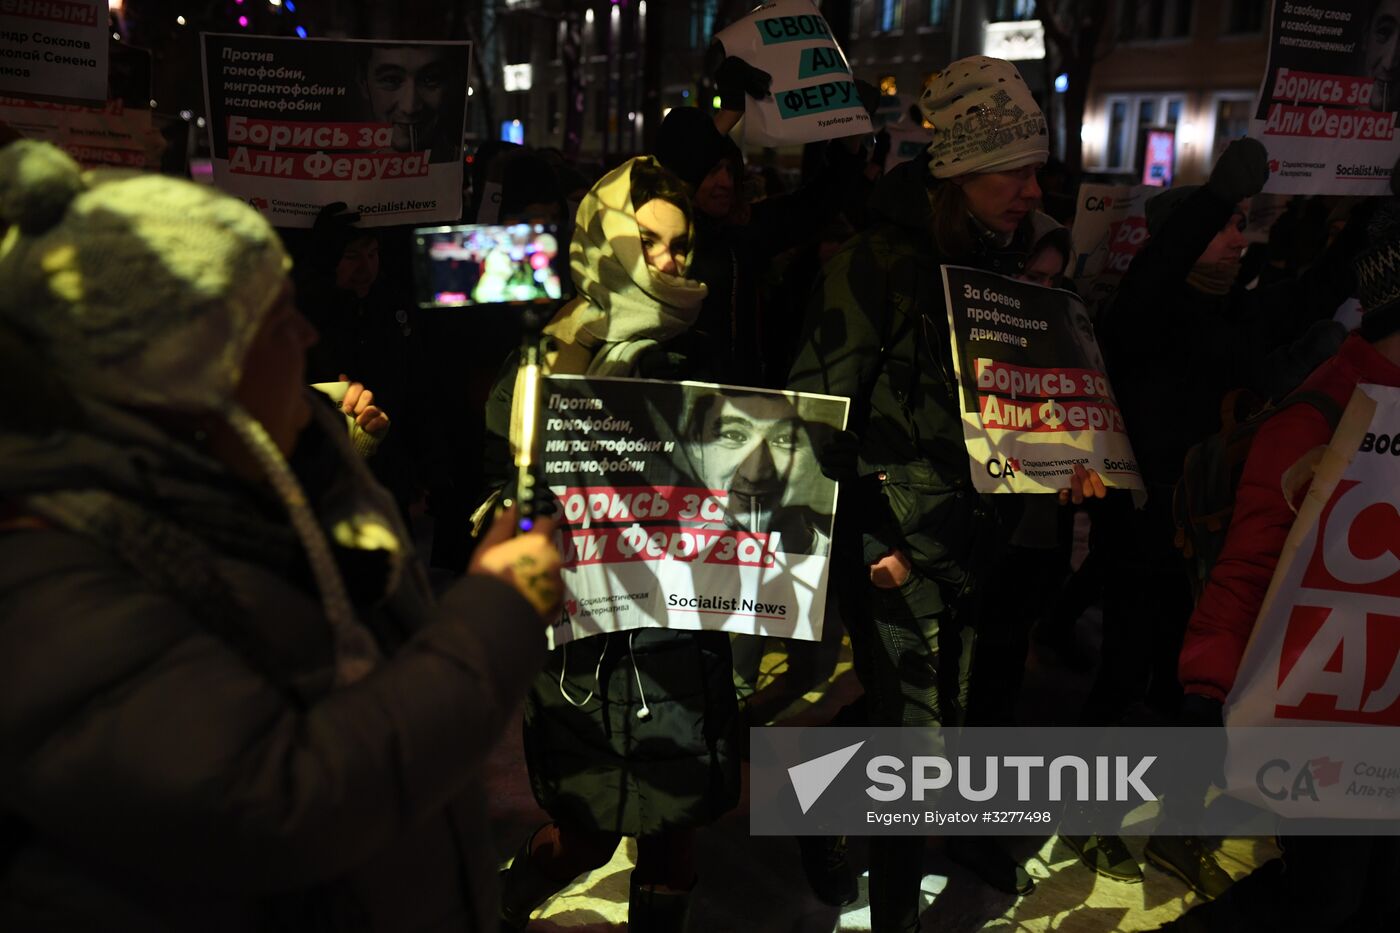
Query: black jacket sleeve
129	728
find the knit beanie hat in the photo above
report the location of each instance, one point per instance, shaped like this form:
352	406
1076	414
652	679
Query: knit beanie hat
1378	273
147	292
984	119
689	146
1160	207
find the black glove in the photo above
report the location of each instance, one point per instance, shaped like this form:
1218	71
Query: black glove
333	230
882	148
1240	172
839	457
735	77
1207	716
1202	711
869	96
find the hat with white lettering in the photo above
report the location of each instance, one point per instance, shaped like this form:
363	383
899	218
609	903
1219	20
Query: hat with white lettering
984	119
146	290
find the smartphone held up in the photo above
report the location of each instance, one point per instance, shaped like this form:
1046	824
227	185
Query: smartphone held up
487	264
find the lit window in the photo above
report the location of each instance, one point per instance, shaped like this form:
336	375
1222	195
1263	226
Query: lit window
891	15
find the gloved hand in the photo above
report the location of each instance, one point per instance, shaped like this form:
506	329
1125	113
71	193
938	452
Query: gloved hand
869	96
331	233
735	77
839	457
882	148
1206	715
1240	172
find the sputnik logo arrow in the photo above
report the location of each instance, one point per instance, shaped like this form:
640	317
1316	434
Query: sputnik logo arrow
811	778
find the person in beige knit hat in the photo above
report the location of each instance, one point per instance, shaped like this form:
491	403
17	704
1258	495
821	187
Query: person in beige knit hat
912	589
231	700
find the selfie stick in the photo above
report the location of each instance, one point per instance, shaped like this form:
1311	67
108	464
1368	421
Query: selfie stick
527	491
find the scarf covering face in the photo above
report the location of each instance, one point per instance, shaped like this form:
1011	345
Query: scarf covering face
625	306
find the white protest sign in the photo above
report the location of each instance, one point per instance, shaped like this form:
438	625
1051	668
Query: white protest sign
1328	101
1034	398
114	135
1325	649
54	49
689	505
907	141
814	93
295	124
1110	226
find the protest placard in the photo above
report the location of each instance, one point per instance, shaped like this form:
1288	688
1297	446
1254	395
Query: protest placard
1034	398
1325	648
297	124
54	50
1110	226
690	505
1327	106
908	140
114	136
814	93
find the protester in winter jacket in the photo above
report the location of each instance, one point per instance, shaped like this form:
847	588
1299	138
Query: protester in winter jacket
877	333
230	702
737	240
632	733
1321	883
1181	334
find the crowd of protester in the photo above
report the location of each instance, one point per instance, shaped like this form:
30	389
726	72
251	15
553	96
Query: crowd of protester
252	658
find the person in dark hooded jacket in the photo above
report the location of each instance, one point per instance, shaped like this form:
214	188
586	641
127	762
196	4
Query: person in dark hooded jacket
230	702
877	332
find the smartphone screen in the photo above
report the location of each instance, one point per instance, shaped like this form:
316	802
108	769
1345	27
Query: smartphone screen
489	264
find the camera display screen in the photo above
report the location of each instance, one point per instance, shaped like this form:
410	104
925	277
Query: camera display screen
486	264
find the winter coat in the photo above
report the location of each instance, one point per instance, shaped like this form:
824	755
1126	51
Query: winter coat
173	754
1174	353
1221	625
877	332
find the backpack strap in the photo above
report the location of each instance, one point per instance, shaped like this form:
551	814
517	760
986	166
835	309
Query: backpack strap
1320	401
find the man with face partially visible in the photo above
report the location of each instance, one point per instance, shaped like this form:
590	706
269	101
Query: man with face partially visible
758	449
406	87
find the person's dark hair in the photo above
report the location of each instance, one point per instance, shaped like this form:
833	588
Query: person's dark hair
951	232
705	405
651	182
